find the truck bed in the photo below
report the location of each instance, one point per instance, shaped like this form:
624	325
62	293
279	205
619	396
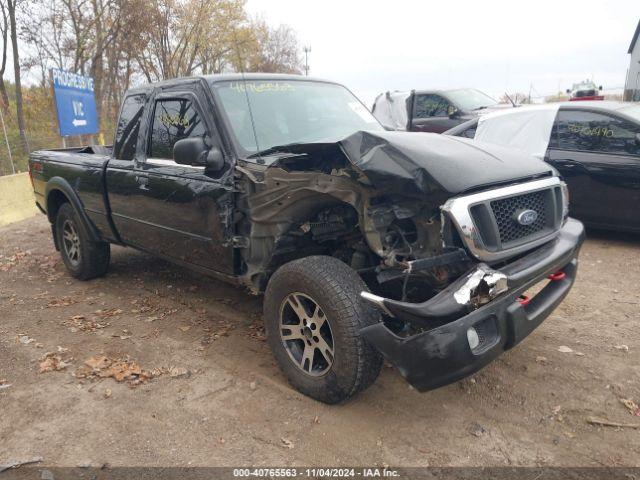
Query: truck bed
81	169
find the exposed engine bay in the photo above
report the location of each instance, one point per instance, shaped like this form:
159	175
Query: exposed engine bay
365	201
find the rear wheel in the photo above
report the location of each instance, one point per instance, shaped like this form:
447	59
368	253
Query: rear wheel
313	314
83	258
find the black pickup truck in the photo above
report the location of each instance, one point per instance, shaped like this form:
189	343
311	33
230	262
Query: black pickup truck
365	243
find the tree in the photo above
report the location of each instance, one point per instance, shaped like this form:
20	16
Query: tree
4	31
278	49
517	98
11	8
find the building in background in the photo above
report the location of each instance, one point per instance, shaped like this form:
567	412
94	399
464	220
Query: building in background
632	85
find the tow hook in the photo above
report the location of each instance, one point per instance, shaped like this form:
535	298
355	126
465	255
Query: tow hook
555	277
524	300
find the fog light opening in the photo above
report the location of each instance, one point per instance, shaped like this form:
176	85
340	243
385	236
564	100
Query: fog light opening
473	338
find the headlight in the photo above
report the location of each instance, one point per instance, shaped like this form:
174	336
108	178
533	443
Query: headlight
565	200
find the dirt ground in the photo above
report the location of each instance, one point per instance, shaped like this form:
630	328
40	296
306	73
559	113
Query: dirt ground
216	397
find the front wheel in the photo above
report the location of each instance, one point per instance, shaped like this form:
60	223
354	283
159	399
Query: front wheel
83	258
313	315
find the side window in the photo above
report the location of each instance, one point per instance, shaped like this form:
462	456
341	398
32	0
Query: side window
596	132
173	120
430	105
124	147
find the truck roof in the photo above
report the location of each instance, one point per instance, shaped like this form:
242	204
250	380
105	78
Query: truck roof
226	77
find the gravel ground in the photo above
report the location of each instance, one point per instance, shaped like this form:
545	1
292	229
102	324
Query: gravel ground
207	391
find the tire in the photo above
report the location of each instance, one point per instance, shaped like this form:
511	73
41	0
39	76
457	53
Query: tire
350	364
83	258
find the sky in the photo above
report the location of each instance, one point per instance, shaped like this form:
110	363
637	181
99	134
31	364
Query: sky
496	46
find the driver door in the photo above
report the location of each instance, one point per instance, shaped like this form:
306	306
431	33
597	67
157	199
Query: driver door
181	206
431	114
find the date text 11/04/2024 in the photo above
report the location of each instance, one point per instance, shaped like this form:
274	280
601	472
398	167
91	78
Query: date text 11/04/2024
317	472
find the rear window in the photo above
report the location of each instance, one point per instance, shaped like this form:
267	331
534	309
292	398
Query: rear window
128	127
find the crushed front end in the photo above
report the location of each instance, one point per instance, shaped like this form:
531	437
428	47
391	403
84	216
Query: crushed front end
485	311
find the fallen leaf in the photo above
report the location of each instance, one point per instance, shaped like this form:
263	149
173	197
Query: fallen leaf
98	362
108	312
565	349
624	348
120	370
184	328
541	359
52	362
178	372
61	302
631	406
107	393
287	443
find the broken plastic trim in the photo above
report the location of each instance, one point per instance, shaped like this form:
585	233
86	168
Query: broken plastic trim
478	287
481	287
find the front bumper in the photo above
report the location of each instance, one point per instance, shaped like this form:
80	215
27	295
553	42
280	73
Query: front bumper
443	355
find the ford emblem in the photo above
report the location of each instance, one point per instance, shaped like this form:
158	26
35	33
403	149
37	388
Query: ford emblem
526	217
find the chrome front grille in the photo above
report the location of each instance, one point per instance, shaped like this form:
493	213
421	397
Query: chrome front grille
491	223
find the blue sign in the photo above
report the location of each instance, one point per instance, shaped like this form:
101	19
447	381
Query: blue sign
75	103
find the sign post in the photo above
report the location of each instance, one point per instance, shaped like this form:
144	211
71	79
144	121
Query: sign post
75	103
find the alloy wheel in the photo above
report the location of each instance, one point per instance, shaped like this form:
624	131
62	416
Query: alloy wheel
306	334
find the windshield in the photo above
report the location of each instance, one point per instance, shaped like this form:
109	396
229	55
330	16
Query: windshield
633	110
470	99
286	112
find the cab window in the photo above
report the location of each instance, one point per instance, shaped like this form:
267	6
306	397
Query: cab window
430	105
595	132
173	120
124	147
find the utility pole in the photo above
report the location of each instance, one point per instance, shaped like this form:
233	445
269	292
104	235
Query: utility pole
306	60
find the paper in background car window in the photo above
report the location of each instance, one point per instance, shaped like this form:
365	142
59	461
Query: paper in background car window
391	110
525	128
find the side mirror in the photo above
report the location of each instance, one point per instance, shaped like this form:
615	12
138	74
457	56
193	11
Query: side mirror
190	151
452	111
215	159
194	151
568	90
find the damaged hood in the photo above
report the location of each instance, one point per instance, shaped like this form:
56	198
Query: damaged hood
431	163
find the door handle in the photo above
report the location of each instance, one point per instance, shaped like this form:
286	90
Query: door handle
143	180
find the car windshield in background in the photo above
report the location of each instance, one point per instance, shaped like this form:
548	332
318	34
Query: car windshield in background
633	110
286	112
471	99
